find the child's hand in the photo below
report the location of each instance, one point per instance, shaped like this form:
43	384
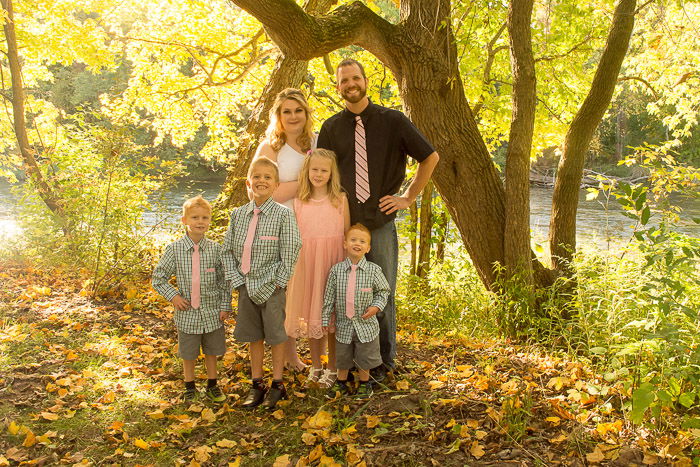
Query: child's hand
370	311
324	329
223	316
180	303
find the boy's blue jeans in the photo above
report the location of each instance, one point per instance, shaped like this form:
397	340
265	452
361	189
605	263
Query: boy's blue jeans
385	253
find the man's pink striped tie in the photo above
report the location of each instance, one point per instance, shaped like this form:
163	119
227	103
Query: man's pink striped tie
361	173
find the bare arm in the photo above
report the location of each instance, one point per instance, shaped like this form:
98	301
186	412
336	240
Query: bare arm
389	203
286	190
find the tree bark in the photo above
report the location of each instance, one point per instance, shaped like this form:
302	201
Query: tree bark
46	192
426	228
413	216
442	223
420	52
562	227
288	72
517	251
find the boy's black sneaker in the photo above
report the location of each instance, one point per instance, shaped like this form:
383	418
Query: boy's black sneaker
378	374
190	395
338	387
365	391
215	394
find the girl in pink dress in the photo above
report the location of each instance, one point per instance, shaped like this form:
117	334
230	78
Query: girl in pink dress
323	217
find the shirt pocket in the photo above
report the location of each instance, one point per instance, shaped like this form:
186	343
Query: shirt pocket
209	276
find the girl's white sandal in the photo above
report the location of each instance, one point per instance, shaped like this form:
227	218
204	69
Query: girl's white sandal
328	378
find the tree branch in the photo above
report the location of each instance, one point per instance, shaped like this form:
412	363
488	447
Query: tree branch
641	80
303	36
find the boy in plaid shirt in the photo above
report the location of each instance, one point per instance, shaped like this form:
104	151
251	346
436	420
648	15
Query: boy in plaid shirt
356	291
260	249
202	301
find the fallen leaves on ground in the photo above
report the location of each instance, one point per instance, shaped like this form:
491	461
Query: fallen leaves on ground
101	380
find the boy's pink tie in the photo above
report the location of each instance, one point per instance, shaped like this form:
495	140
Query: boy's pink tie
361	174
248	245
350	292
194	302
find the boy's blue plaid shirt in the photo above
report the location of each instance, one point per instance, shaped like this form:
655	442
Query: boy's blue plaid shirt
215	295
372	289
275	249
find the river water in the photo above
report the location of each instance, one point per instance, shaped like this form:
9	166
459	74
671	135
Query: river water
595	224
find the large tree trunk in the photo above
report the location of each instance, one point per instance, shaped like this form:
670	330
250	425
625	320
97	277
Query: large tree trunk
421	55
46	192
562	227
288	73
420	52
517	251
426	229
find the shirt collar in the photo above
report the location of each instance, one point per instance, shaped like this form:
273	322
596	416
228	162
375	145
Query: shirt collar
264	208
189	244
362	264
369	110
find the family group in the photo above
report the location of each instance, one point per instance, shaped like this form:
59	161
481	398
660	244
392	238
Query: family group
314	254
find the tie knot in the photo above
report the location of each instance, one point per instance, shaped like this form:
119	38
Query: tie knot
196	247
358	119
256	211
353	267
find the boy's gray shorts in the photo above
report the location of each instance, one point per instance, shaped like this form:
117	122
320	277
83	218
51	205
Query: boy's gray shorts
257	322
362	355
211	343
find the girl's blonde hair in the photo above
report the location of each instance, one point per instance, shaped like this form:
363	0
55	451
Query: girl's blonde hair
275	132
335	192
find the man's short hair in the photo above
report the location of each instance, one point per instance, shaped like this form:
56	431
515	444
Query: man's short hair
196	202
361	228
351	62
264	162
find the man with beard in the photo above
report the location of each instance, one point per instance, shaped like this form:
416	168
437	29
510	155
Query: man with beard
371	143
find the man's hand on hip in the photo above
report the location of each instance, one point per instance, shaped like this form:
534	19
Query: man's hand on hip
389	203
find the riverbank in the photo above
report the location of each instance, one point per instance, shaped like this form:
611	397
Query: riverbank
95	382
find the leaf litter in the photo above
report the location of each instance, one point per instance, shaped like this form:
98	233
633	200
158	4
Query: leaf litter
98	383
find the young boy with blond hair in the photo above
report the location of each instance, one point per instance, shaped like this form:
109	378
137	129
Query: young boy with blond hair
201	299
259	253
356	291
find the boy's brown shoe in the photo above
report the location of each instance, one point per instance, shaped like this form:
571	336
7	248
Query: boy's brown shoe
274	395
255	397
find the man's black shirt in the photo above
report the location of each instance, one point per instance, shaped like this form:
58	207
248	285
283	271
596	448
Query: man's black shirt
391	137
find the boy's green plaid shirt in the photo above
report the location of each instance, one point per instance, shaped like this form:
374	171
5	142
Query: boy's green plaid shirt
215	295
372	289
275	249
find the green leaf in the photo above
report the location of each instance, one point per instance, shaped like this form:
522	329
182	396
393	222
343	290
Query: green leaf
642	398
646	214
598	350
691	423
687	399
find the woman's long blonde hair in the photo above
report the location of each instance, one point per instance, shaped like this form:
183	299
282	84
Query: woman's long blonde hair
275	132
335	192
